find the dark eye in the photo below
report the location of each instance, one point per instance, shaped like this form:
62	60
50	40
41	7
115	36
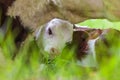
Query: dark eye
50	31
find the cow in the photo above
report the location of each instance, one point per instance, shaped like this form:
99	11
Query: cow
38	12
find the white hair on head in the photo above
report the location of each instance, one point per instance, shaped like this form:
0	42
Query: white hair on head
53	36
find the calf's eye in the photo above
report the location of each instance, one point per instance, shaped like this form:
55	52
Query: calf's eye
50	31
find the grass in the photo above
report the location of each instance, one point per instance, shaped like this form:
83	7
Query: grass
101	24
29	63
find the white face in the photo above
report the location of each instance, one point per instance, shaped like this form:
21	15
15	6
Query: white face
53	36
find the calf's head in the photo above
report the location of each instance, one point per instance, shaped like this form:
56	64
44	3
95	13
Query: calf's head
53	36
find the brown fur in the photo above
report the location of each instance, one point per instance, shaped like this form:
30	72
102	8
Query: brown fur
34	13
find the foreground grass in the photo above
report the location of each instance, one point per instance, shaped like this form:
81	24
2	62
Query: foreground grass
29	63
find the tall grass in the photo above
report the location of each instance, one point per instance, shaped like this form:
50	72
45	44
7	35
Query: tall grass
29	63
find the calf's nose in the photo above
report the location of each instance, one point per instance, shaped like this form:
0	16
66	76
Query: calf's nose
54	51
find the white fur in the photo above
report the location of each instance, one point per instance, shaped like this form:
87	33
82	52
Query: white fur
62	32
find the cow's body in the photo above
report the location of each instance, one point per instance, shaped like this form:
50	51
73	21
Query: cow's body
37	12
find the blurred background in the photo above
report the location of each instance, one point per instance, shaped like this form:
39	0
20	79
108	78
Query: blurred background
25	62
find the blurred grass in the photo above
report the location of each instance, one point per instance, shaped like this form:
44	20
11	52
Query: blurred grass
101	24
30	64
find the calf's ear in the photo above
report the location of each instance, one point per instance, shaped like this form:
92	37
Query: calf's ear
38	32
92	32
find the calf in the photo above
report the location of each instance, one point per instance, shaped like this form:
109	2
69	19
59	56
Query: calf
54	35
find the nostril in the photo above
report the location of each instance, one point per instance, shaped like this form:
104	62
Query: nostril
53	53
52	50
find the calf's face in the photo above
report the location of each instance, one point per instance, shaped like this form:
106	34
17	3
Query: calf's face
53	36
